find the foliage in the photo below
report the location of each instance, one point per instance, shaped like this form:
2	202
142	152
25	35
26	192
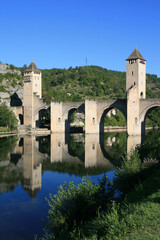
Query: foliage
135	218
74	205
153	118
90	82
127	174
150	148
73	117
115	120
7	117
76	84
133	171
4	129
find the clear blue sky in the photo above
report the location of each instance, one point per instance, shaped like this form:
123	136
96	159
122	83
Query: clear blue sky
63	33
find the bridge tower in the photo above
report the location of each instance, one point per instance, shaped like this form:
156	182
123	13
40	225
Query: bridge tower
32	86
135	89
136	73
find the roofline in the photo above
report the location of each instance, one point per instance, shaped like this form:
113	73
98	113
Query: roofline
127	59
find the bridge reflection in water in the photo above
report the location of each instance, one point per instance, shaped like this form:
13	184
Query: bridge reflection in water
63	153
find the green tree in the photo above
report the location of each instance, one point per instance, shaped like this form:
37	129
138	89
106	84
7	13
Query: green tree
7	117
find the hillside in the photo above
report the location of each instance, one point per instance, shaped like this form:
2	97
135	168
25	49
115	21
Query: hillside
90	82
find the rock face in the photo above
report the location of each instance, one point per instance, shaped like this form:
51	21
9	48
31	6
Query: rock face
11	94
5	68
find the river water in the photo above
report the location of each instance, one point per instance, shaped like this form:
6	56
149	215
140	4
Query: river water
31	167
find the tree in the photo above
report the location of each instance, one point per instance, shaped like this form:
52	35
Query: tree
7	117
12	66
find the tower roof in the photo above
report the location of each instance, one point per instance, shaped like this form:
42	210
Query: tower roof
32	67
135	55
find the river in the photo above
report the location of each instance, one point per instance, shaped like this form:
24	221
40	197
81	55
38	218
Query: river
31	167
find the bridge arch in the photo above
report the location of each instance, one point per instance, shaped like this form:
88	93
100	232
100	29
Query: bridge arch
121	106
145	112
69	110
40	116
103	115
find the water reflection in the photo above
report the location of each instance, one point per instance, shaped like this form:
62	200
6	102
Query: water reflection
32	165
23	160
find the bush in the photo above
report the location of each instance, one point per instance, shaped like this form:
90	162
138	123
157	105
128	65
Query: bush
133	171
127	174
73	206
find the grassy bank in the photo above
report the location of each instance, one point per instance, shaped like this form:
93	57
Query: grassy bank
136	217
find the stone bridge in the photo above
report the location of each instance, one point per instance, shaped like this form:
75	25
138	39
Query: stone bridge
135	107
95	112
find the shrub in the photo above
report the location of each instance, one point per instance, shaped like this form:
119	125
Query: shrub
127	174
73	206
133	171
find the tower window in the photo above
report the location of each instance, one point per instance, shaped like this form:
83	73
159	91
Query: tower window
93	120
136	121
132	73
141	95
59	119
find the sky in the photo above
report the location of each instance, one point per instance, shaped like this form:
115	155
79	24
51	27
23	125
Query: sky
64	33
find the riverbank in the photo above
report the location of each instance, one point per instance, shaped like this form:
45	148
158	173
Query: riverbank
37	132
133	216
122	129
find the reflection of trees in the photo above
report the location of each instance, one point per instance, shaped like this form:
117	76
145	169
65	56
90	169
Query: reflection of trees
9	178
44	144
10	175
7	145
150	147
73	168
117	147
76	148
